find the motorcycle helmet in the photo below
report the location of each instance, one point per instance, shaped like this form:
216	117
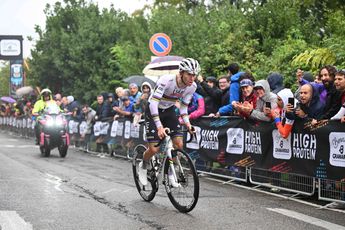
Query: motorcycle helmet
45	93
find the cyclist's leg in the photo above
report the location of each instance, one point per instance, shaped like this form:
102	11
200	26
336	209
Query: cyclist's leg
150	151
152	138
171	121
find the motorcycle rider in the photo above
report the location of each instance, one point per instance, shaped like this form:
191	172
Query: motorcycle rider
40	105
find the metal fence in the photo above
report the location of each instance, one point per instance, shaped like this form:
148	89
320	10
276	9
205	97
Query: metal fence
290	182
331	190
328	190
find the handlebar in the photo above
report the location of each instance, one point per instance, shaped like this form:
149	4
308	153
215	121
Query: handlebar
167	131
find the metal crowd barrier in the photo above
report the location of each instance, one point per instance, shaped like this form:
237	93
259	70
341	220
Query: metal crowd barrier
328	190
290	182
22	126
331	190
103	134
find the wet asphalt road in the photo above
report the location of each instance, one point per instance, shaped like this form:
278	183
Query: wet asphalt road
84	191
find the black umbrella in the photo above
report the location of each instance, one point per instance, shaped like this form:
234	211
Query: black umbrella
139	80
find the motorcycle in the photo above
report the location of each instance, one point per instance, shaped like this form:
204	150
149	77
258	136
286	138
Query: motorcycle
54	132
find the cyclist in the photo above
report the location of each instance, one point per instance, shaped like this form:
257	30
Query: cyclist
45	98
160	111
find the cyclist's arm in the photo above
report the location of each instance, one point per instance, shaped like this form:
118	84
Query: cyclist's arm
154	101
184	106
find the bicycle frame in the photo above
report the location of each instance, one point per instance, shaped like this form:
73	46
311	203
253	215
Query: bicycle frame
167	151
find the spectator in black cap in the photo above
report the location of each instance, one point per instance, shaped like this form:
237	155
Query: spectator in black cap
128	109
275	80
112	103
233	69
211	93
248	97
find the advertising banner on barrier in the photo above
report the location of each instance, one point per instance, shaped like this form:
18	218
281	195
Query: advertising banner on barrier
235	142
17	76
123	131
319	153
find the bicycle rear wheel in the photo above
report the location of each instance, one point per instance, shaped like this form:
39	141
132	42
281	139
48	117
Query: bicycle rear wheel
149	191
185	197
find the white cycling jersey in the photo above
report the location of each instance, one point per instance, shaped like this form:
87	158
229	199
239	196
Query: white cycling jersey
165	95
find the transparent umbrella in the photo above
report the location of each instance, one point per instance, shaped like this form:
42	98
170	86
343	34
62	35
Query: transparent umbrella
163	65
24	90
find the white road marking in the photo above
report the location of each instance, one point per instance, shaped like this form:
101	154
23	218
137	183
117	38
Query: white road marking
307	219
10	220
54	180
116	189
110	190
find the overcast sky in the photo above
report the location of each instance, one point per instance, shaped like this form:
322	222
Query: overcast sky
19	17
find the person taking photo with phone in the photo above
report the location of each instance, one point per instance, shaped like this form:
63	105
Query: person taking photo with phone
266	102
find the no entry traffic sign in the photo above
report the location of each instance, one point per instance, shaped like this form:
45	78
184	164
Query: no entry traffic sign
160	44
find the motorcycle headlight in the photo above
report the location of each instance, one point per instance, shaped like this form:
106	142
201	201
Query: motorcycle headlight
50	122
59	122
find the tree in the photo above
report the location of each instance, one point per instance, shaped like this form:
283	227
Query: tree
83	51
4	78
73	53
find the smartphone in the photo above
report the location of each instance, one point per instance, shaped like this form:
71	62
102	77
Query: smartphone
268	104
291	101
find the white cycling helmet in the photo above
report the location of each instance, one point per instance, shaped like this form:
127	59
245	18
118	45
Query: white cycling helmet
190	65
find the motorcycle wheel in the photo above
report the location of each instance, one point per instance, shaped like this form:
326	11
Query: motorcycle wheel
45	149
63	148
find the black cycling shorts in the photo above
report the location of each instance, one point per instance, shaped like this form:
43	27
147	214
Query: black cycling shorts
168	118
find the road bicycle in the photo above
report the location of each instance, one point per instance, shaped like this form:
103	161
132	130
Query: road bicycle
183	190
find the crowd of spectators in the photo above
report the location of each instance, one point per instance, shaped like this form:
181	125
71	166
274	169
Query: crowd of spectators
235	94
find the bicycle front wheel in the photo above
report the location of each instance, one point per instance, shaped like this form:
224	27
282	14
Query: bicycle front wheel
185	196
149	191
